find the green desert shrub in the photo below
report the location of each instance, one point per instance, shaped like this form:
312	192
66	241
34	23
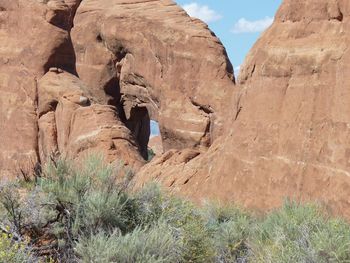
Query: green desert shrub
12	251
87	199
147	245
10	202
300	233
70	202
150	203
230	228
182	216
89	195
12	247
86	213
13	222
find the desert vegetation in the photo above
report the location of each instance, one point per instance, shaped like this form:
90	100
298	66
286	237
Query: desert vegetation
87	213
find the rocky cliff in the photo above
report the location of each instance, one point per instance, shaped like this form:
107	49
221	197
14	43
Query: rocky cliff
147	57
288	131
34	36
88	76
81	76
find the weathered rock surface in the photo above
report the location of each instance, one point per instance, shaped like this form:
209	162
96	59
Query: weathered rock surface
282	132
288	135
156	144
71	125
26	52
136	60
160	63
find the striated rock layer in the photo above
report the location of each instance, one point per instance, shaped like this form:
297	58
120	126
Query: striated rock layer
77	77
80	77
159	64
50	115
71	124
289	130
26	53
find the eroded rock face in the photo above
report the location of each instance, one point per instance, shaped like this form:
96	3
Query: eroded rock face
72	125
160	63
156	145
283	131
136	61
25	55
289	135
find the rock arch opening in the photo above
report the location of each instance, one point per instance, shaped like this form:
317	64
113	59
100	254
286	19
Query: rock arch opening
138	122
155	143
148	74
155	130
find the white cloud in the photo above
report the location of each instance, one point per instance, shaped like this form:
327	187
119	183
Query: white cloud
202	12
246	26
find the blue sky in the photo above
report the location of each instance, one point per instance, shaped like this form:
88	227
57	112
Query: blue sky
154	128
237	23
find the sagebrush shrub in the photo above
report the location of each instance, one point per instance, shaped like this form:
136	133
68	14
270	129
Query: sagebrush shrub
230	229
154	244
300	233
87	213
12	251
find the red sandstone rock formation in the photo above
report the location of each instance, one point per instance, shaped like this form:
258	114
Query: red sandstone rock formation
154	54
156	145
285	131
127	62
34	36
288	134
71	125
